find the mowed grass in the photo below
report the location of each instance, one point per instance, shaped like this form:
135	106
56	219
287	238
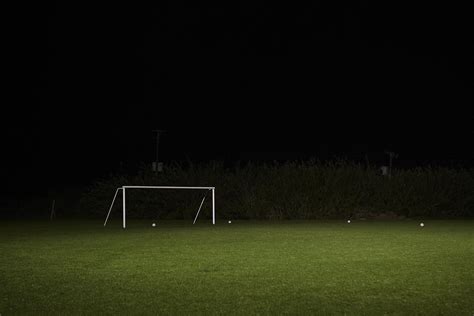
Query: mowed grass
290	267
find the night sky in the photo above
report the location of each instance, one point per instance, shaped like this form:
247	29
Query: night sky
233	81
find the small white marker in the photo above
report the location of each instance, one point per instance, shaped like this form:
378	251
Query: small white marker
421	224
153	224
348	221
230	222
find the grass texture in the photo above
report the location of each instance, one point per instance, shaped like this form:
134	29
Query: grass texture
243	268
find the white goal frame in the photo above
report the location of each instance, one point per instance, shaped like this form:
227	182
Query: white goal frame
125	187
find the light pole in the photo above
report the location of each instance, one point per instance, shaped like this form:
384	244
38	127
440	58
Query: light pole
158	133
392	155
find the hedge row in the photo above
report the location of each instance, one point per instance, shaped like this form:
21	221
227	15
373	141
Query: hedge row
291	190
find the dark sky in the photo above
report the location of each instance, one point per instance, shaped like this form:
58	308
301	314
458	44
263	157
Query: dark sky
234	81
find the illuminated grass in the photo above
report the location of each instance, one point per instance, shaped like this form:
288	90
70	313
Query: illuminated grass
293	267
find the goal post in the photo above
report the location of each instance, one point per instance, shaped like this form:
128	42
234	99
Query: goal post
128	187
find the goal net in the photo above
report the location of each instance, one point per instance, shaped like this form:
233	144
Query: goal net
131	187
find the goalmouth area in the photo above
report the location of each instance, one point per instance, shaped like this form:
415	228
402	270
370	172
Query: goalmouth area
127	187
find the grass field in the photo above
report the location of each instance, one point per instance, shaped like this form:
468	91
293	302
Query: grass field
292	267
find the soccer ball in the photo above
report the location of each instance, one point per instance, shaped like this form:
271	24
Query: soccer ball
153	224
230	222
421	224
349	221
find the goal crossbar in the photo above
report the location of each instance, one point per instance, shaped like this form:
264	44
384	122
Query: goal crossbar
125	187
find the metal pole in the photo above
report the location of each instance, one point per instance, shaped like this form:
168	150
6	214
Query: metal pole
197	214
390	166
164	187
123	205
157	148
52	211
158	132
111	205
213	207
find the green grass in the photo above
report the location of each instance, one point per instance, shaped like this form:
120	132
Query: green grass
293	267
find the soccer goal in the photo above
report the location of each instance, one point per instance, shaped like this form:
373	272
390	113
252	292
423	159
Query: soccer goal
129	187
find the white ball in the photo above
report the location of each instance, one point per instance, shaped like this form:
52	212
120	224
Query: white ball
421	224
349	221
230	222
153	224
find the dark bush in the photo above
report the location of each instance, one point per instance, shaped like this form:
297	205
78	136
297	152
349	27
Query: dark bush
292	190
